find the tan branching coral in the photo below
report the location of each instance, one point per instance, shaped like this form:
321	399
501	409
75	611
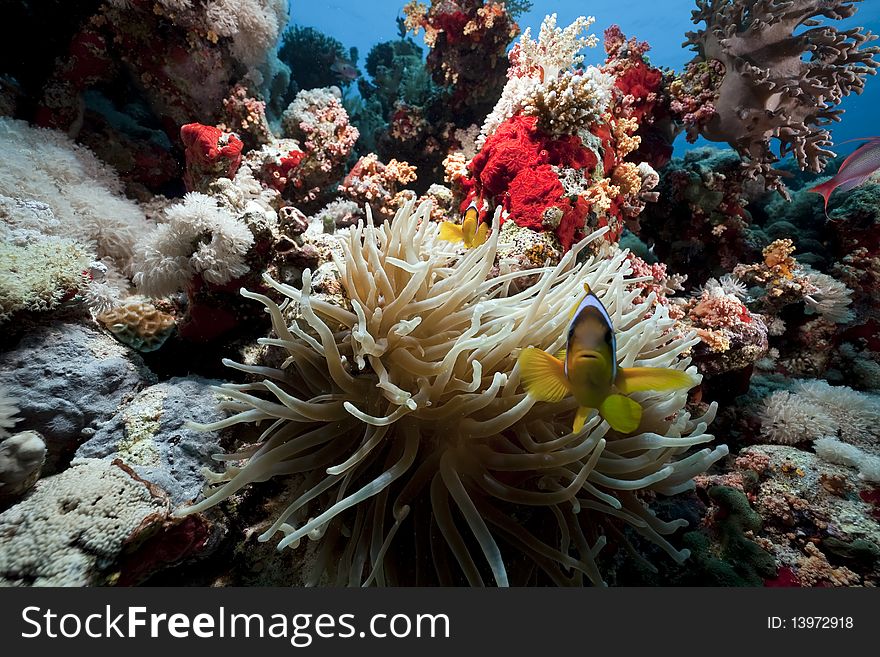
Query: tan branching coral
782	75
407	411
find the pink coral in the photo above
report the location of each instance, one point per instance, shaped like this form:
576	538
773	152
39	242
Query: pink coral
377	184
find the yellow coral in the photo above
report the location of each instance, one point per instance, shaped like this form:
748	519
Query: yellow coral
628	178
139	324
624	133
777	256
601	195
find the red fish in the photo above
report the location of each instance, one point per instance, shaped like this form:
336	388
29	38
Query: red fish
855	170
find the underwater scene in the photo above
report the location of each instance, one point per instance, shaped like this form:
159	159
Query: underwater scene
440	293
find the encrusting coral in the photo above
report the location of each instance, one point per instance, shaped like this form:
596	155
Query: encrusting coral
8	412
21	459
411	398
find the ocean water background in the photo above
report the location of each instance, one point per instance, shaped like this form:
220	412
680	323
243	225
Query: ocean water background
662	23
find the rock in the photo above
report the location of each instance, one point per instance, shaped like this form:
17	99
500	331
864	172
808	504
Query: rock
67	380
21	460
149	435
72	529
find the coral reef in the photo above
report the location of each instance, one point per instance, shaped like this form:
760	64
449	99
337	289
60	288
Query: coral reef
71	530
316	60
226	244
468	41
552	153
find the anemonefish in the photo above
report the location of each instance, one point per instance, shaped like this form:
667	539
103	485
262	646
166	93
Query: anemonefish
587	368
470	231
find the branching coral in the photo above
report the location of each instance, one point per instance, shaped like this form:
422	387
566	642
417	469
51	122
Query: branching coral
732	336
775	72
317	120
410	402
371	181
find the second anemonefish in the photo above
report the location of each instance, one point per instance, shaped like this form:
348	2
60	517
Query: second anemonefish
587	368
470	230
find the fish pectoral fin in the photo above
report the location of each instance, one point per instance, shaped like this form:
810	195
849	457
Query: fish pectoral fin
561	354
639	379
580	418
543	376
450	232
622	413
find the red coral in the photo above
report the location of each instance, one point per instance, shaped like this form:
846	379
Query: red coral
518	144
514	168
451	24
512	148
532	191
571	227
210	153
642	82
609	154
279	174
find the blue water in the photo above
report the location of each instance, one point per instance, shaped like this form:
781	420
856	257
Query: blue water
662	23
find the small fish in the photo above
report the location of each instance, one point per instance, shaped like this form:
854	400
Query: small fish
470	231
855	170
344	69
587	368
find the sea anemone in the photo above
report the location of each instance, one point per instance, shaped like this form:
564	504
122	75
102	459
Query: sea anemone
406	411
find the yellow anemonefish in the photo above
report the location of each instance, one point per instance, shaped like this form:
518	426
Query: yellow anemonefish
587	368
470	231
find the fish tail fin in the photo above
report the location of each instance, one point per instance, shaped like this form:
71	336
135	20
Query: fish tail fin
622	413
543	376
825	190
451	232
639	379
580	418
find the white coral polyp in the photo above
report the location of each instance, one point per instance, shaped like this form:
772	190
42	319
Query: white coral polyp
412	400
788	419
199	238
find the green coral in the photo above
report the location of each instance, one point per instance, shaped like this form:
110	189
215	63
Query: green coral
730	557
310	54
398	73
39	275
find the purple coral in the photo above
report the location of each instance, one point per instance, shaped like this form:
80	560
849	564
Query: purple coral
784	73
